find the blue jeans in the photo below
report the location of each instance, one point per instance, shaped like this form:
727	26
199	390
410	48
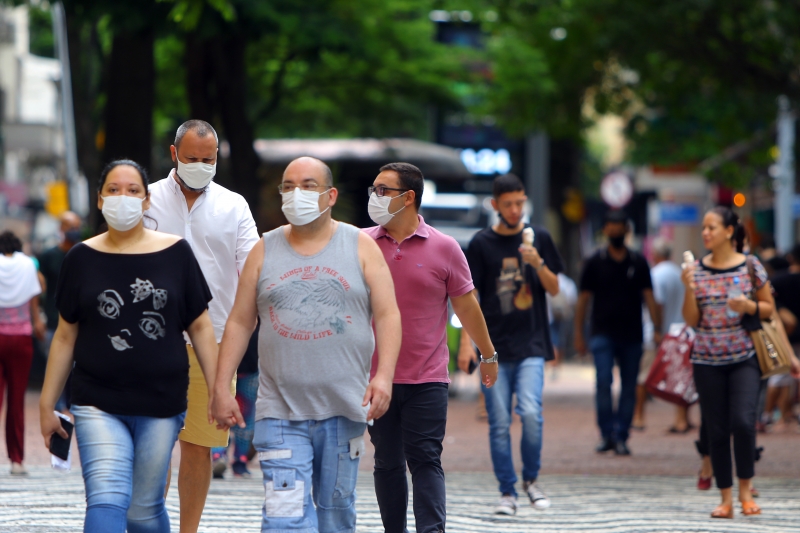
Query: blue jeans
526	379
605	350
310	469
124	461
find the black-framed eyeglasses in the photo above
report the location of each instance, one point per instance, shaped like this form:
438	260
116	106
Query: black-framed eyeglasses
380	190
308	186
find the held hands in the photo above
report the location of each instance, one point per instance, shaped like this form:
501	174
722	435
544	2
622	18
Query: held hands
224	408
50	423
378	396
530	255
740	304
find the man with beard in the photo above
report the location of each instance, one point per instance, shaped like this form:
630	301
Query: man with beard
219	227
512	274
616	279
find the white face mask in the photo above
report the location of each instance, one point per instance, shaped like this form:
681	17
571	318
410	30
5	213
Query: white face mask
378	208
301	207
122	212
196	176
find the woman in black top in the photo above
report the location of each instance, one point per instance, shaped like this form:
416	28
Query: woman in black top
124	299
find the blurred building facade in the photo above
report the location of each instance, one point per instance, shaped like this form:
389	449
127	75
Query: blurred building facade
32	191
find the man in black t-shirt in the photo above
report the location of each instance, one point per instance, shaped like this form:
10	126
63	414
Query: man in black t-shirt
511	278
616	279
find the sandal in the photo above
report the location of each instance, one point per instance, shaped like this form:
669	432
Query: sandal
724	511
750	508
703	483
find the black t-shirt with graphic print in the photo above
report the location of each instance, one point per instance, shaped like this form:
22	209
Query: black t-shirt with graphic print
512	297
131	310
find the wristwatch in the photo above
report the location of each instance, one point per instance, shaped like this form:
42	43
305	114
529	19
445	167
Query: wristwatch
541	266
492	359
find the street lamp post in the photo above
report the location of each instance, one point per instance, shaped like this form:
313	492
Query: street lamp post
785	187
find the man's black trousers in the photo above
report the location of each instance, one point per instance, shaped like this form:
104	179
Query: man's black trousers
411	432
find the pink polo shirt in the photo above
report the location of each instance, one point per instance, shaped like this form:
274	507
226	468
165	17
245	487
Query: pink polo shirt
428	268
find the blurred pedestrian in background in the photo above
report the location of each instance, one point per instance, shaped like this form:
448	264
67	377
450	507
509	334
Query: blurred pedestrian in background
317	285
560	313
246	394
726	371
782	388
617	281
124	299
511	277
429	269
219	227
50	261
19	319
668	293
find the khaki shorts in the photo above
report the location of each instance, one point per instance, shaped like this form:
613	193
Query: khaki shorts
648	357
196	429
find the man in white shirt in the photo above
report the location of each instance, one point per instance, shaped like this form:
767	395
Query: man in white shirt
219	227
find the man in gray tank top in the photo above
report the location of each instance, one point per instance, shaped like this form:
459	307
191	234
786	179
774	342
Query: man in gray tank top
317	284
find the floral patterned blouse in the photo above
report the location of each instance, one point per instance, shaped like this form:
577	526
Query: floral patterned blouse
721	339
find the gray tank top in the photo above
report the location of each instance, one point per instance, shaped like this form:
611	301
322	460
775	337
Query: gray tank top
316	341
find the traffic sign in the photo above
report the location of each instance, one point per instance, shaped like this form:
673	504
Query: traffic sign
616	189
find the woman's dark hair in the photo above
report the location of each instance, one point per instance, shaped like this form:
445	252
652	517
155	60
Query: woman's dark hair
731	219
118	163
9	243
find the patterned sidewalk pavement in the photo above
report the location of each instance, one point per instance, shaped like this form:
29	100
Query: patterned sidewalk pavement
52	502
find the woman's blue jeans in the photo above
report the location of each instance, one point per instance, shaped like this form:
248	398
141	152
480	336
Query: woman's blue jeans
525	379
124	461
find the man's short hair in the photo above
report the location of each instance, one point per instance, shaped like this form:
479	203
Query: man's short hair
201	128
410	177
662	248
506	183
615	216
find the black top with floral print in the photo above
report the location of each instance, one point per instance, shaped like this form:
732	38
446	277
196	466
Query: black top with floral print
131	310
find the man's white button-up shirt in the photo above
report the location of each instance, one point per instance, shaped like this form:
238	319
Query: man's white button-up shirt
219	228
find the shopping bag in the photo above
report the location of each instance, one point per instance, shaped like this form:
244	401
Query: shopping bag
670	377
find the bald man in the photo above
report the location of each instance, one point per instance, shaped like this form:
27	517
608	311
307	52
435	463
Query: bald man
316	284
50	260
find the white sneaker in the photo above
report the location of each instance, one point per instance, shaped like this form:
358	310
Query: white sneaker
539	499
507	505
18	470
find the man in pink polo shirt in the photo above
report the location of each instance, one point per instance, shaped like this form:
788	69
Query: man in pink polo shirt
428	267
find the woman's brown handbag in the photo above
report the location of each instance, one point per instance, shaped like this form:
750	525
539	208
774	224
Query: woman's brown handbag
773	349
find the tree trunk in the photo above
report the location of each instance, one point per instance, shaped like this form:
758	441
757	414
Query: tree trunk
86	64
131	93
230	78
